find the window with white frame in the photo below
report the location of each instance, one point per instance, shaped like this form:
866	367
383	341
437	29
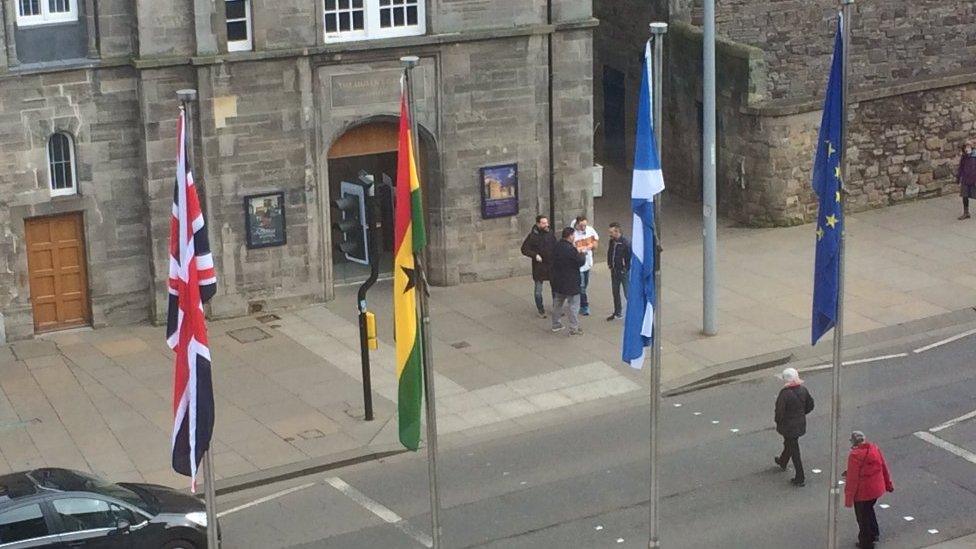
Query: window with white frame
368	19
238	16
61	164
42	12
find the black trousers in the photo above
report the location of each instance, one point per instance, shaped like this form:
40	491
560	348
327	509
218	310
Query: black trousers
618	280
867	523
791	450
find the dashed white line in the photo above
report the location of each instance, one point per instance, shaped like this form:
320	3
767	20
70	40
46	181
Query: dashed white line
947	446
380	510
952	422
265	499
956	337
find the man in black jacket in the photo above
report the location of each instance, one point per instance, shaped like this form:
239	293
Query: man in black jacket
792	406
565	280
618	260
538	246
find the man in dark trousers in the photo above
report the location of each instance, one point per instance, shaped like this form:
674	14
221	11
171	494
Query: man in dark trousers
538	246
618	260
792	406
565	279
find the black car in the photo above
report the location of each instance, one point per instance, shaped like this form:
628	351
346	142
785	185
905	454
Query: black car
63	508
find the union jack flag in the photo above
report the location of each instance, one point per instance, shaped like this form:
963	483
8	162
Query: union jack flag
192	282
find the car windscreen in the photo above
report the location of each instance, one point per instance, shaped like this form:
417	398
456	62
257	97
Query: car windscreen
64	480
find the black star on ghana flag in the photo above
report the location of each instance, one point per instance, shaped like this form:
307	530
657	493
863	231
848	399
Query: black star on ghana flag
411	278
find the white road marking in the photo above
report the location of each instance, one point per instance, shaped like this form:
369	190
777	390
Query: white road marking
952	422
884	506
714	422
265	499
874	359
909	519
379	510
734	430
817	471
598	528
620	540
677	405
947	446
933	531
696	413
854	362
956	337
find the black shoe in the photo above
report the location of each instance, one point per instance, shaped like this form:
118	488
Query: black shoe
781	464
799	482
613	317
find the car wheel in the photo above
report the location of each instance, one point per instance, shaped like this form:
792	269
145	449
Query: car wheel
180	544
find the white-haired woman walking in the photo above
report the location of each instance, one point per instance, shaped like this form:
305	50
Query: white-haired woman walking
792	406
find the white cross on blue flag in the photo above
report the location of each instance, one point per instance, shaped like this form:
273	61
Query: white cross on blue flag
647	182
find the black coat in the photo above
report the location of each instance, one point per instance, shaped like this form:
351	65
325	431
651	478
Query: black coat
566	263
618	254
792	406
539	243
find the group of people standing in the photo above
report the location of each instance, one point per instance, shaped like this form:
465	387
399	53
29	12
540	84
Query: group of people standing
566	262
866	478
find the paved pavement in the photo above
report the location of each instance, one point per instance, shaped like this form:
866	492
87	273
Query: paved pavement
287	382
584	483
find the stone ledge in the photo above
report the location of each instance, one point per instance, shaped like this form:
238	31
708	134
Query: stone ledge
865	95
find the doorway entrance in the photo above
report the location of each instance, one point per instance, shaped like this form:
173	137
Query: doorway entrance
57	274
370	150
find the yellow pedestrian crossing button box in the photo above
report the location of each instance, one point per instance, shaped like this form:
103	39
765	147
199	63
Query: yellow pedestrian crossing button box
371	331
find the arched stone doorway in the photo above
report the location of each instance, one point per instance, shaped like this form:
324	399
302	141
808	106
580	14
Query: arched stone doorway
371	147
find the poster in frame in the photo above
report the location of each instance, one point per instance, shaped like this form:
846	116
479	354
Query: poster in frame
264	219
499	191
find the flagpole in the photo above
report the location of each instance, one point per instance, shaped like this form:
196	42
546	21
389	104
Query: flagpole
833	505
658	30
187	98
423	292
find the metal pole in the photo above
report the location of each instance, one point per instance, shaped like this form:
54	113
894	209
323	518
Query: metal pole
426	348
709	201
187	98
374	271
658	30
833	502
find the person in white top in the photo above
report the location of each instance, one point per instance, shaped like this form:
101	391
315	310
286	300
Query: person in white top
586	240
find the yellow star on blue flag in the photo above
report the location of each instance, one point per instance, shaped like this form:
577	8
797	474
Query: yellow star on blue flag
827	184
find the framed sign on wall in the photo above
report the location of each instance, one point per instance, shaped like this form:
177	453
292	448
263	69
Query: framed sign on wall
499	191
264	219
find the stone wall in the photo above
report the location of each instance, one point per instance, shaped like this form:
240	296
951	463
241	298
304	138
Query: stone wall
117	29
166	29
99	109
892	41
279	24
618	43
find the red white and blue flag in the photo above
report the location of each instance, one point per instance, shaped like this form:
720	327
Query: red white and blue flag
192	282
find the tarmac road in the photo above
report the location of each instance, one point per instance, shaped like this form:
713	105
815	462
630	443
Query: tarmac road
585	483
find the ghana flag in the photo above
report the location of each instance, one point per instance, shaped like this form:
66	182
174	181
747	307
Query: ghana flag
409	238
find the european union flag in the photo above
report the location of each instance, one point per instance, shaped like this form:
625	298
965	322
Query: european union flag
827	184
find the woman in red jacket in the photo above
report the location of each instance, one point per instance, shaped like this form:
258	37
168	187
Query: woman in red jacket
867	480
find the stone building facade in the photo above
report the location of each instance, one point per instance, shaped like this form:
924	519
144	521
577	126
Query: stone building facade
913	99
294	96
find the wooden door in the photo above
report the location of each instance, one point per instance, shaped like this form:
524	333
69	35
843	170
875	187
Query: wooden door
57	273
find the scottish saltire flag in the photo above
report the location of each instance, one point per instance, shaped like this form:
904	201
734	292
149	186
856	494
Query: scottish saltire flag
827	184
409	239
192	282
647	182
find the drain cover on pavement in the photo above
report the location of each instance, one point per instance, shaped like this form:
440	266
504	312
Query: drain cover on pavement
248	335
